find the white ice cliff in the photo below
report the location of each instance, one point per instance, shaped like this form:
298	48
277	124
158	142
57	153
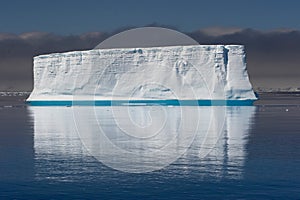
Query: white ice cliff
202	72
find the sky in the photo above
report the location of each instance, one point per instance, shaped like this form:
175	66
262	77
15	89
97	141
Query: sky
270	31
78	16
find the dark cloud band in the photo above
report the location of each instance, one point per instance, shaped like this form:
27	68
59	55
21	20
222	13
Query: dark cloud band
273	57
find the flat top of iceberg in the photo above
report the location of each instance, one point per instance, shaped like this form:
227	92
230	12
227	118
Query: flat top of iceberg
233	47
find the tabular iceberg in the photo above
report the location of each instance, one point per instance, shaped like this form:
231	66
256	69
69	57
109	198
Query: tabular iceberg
205	74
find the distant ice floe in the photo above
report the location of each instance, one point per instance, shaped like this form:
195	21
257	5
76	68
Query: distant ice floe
3	94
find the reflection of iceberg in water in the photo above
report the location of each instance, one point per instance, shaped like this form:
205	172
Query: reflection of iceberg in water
141	139
58	149
228	155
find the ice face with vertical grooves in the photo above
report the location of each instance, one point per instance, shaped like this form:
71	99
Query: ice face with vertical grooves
196	72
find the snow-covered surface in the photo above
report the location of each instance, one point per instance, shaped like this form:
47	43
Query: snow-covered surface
176	72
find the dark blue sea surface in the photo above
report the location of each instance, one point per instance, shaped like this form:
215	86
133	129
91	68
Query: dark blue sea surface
151	152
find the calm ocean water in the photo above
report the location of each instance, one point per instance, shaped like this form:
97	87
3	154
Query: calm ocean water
157	152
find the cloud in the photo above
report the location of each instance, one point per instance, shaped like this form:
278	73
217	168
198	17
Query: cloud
17	52
220	31
272	56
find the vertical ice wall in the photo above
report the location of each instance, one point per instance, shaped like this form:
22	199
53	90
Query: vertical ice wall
176	72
